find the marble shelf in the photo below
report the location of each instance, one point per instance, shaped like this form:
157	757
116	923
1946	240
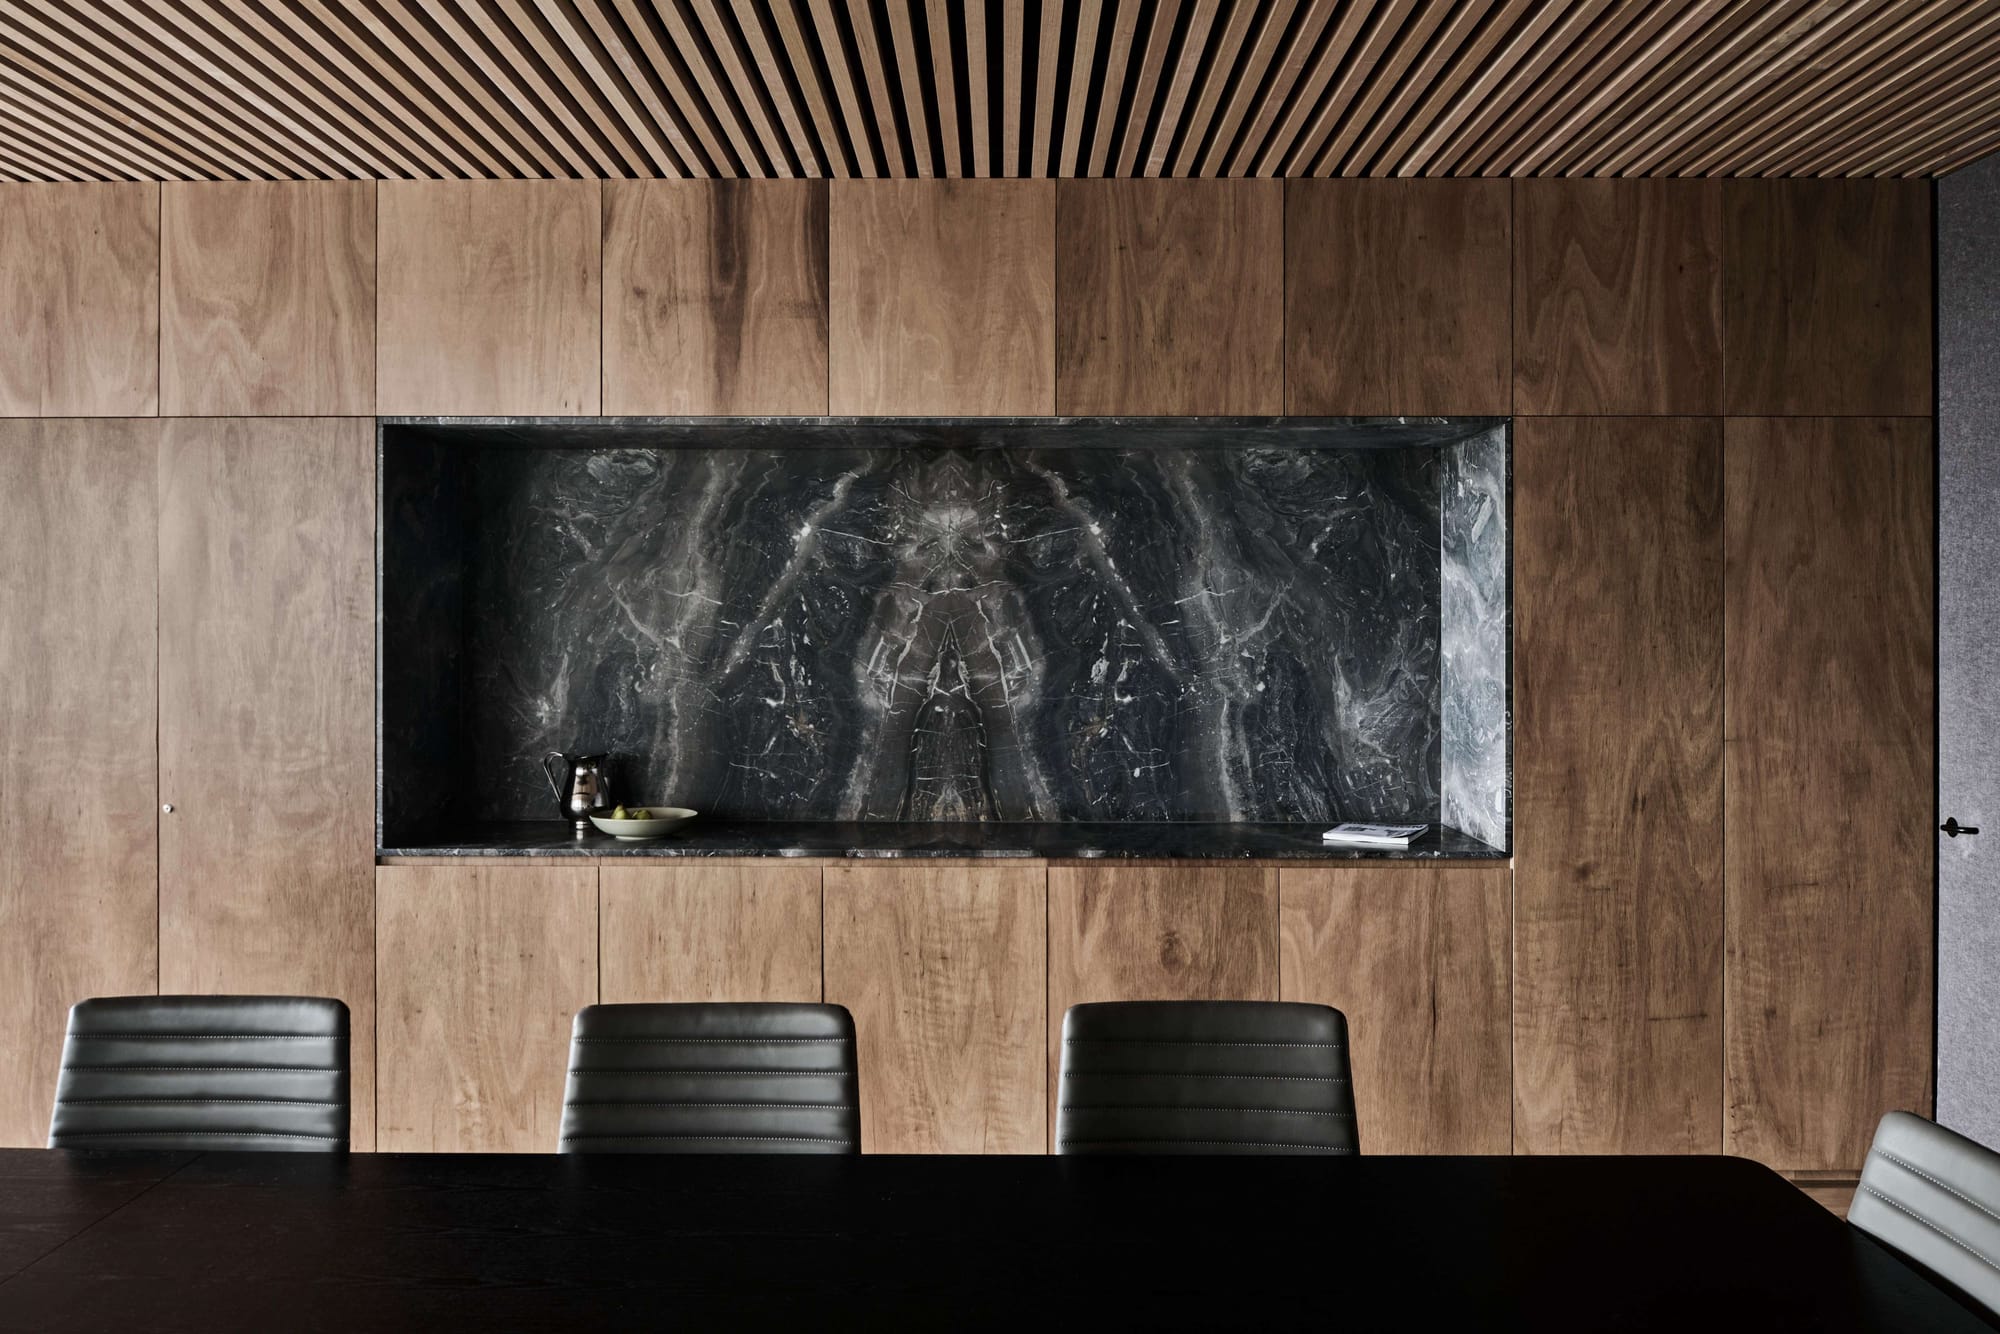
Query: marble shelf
989	839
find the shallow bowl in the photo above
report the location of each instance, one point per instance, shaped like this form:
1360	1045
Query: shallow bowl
663	820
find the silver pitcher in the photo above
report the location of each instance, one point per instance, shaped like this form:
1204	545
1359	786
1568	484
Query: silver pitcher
579	784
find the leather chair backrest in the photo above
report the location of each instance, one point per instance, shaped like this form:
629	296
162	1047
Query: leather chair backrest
203	1072
1933	1196
712	1079
1205	1077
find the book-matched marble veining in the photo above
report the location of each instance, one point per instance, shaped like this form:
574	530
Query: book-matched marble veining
1054	622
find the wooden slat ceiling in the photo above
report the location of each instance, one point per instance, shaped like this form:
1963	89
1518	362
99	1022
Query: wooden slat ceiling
235	89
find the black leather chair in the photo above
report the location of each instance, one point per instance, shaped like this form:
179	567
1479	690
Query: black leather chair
203	1072
712	1079
1933	1196
1197	1077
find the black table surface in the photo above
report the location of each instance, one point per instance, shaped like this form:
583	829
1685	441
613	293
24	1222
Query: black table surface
214	1242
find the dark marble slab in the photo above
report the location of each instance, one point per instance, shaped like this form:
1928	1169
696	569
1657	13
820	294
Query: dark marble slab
969	839
1475	780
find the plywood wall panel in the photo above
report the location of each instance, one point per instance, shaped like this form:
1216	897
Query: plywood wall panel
943	298
1157	933
709	933
1618	785
1416	957
77	804
1171	297
267	294
1617	297
1831	843
1827	297
944	971
489	297
266	746
715	298
482	970
1397	297
79	300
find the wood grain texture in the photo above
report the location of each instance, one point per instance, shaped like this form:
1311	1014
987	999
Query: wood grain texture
1618	800
489	297
1172	297
943	297
944	971
267	298
482	970
77	691
1191	932
1397	297
266	745
1416	958
708	933
1827	298
1828	726
1617	297
715	298
80	300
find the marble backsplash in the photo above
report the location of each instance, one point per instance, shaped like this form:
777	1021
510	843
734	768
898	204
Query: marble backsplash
1091	621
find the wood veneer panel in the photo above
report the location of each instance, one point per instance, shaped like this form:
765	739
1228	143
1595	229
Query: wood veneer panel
944	971
77	804
1397	297
267	294
266	746
80	300
943	297
709	933
1827	297
1416	958
1617	297
715	298
1829	771
482	969
1618	800
1173	297
1179	933
489	297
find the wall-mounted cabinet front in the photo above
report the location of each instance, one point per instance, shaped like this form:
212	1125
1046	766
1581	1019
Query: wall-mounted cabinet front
79	300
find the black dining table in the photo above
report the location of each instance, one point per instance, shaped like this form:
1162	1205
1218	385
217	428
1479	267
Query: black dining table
445	1242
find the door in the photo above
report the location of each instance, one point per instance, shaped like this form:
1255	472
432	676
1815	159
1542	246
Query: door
1968	1040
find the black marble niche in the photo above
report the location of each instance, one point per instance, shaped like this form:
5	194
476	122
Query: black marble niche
1051	621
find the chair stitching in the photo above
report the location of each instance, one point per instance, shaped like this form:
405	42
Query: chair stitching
576	1070
224	1102
218	1037
787	1107
1908	1167
759	1139
1178	1107
746	1042
1195	1074
1229	1143
1916	1217
1206	1042
168	1130
215	1069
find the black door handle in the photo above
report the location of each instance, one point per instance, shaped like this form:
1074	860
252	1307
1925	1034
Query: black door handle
1952	828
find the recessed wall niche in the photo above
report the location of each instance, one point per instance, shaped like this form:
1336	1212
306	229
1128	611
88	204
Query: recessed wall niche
1039	620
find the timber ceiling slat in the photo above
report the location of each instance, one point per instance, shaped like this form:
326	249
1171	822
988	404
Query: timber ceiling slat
380	89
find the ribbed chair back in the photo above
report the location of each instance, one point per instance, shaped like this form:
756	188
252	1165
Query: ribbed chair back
1933	1196
1197	1077
712	1079
203	1072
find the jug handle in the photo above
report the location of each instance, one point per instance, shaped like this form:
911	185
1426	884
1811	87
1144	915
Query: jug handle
550	774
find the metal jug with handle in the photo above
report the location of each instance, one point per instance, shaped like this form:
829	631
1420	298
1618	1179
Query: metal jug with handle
579	784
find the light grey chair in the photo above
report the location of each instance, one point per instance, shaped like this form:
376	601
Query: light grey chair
762	1078
203	1072
1933	1196
1201	1077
